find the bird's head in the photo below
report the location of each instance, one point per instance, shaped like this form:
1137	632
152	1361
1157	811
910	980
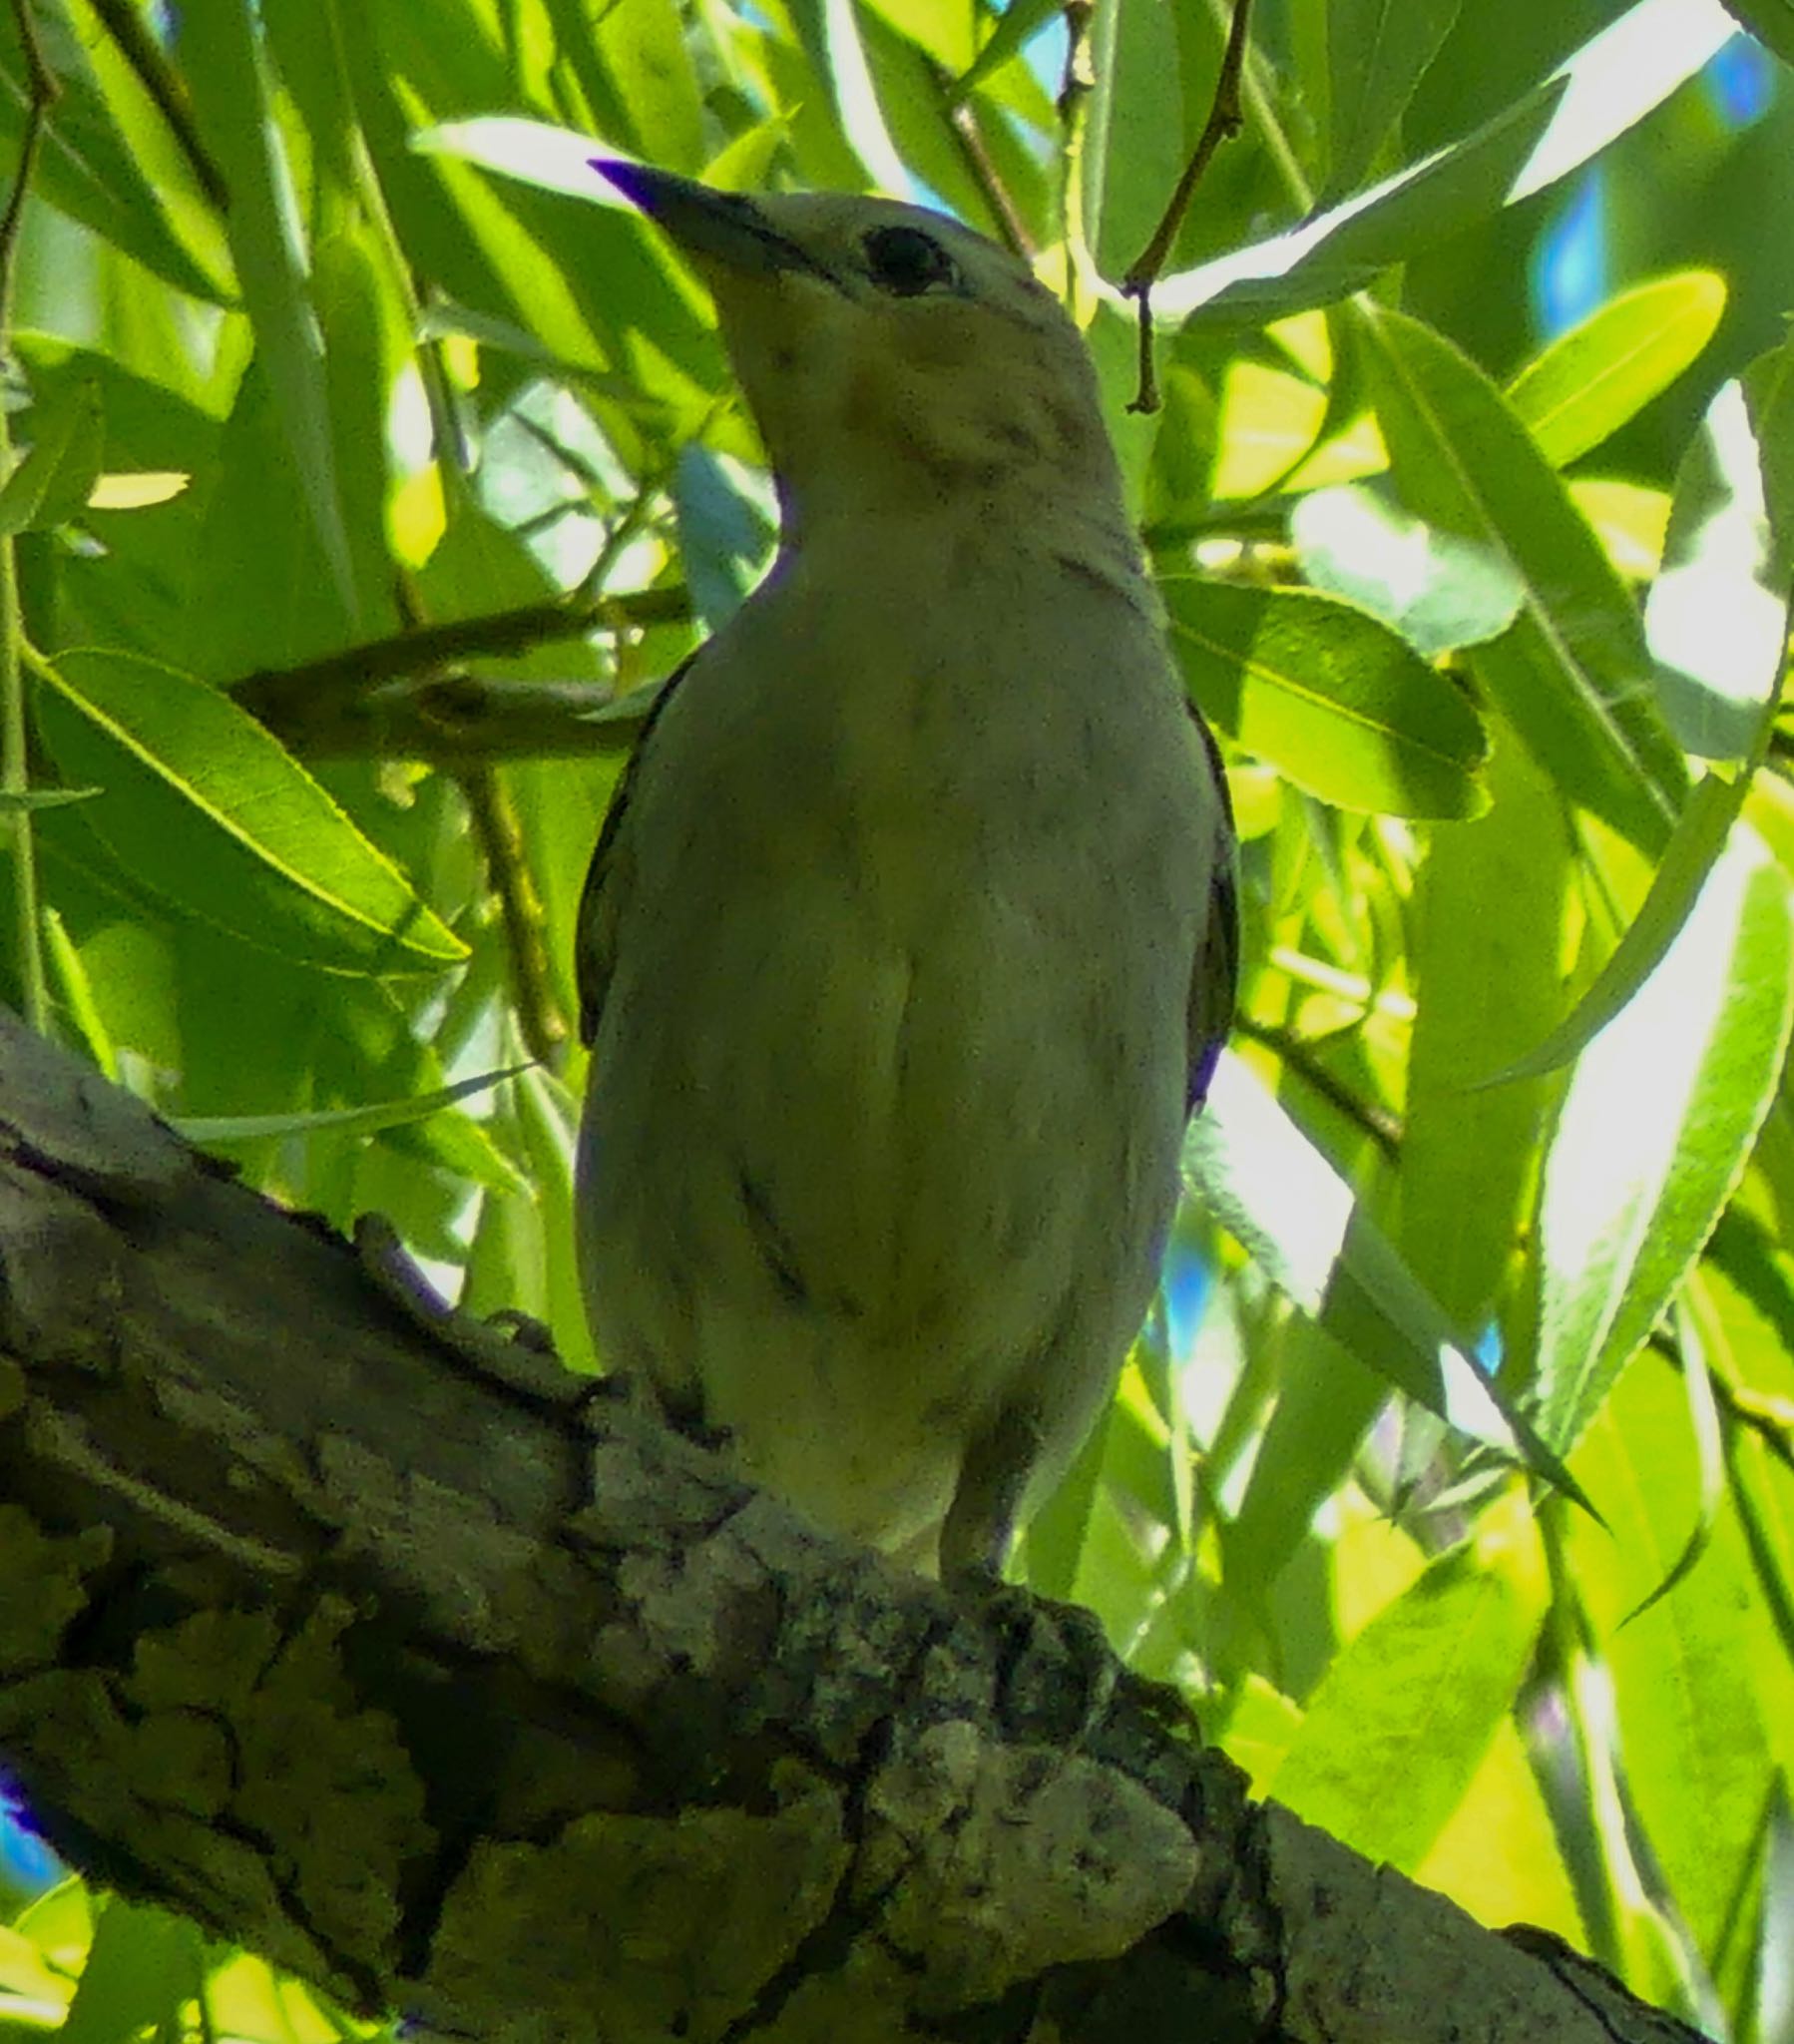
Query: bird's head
890	357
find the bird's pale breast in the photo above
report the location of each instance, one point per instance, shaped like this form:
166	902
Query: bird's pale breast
890	1149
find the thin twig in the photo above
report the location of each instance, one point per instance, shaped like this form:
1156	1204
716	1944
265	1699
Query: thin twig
963	120
500	837
322	688
15	759
1079	83
1383	1128
1225	119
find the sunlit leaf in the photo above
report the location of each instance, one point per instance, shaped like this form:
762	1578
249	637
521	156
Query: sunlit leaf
1590	381
1331	698
1437	590
1655	1129
1612	81
209	811
1718	614
1266	1182
1420	1693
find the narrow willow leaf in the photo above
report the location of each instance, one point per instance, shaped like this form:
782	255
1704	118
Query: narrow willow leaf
1612	81
1704	1428
1590	381
1773	1996
1015	26
1133	138
43	797
1572	672
53	481
532	152
225	68
1718	614
642	44
1700	836
1377	53
830	36
220	1131
1655	1130
75	989
1330	697
211	813
1697	1729
1418	1694
728	527
108	157
1261	1178
1485	964
144	1967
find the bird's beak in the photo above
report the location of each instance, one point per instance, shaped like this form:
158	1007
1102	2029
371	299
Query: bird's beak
716	227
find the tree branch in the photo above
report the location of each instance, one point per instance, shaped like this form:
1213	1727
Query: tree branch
458	1685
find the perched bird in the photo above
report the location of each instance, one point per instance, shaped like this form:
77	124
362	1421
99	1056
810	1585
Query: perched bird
908	946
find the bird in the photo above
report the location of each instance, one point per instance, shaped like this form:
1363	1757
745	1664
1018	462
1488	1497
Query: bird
910	939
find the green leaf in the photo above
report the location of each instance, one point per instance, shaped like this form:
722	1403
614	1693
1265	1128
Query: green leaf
144	1968
1134	136
1612	81
1377	53
54	480
1437	590
1486	963
1697	1741
642	44
830	34
108	159
1590	381
1655	1130
209	812
221	1131
1568	670
1262	1179
1718	614
226	68
43	797
1015	26
1418	1696
1705	1431
1699	837
728	529
1327	695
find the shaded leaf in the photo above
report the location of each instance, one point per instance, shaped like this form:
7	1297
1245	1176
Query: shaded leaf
1377	53
54	480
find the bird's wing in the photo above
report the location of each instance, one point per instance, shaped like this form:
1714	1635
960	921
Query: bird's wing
1214	984
594	927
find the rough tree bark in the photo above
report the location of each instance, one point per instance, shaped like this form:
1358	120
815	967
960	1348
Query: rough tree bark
395	1653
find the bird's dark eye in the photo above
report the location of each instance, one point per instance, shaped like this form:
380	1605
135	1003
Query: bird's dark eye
907	263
